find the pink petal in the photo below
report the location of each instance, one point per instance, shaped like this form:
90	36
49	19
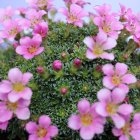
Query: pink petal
90	55
26	77
3	126
33	137
97	21
79	23
15	75
118	95
63	11
123	137
101	37
36	40
101	109
44	121
74	122
118	121
137	117
109	44
39	50
23	113
26	94
124	87
21	50
98	128
26	41
135	134
53	131
129	79
75	9
28	56
83	106
104	95
116	132
121	68
31	127
5	87
89	41
125	109
108	56
107	82
108	69
13	97
5	115
87	133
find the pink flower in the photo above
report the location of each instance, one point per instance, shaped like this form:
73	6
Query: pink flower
30	47
88	121
117	76
43	130
8	109
78	2
57	65
10	29
41	3
109	25
34	16
131	129
3	125
6	14
41	29
16	87
124	13
110	105
98	45
75	15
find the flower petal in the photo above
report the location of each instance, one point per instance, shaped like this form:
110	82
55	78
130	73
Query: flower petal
108	69
44	121
118	121
107	82
108	56
26	78
83	106
125	109
53	131
15	75
90	55
109	44
23	113
121	68
129	79
89	41
31	127
74	122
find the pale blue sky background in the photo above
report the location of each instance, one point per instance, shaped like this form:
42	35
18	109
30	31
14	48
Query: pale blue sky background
134	4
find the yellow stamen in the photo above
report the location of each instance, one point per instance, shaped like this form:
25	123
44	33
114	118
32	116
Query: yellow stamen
86	119
73	18
126	129
111	108
13	31
42	132
42	2
32	49
18	87
12	106
97	50
116	80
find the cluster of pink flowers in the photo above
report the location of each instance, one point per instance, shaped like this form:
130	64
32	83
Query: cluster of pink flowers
27	33
91	119
15	97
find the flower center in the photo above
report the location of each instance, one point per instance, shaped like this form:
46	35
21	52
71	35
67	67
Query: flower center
126	129
12	106
34	21
72	18
106	29
111	108
116	80
18	87
32	49
42	132
42	2
13	31
86	119
98	50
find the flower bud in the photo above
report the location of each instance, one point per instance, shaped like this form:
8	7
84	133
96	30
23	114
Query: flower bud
77	63
57	65
40	70
63	90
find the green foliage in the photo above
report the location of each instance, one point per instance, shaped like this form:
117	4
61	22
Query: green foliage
82	83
